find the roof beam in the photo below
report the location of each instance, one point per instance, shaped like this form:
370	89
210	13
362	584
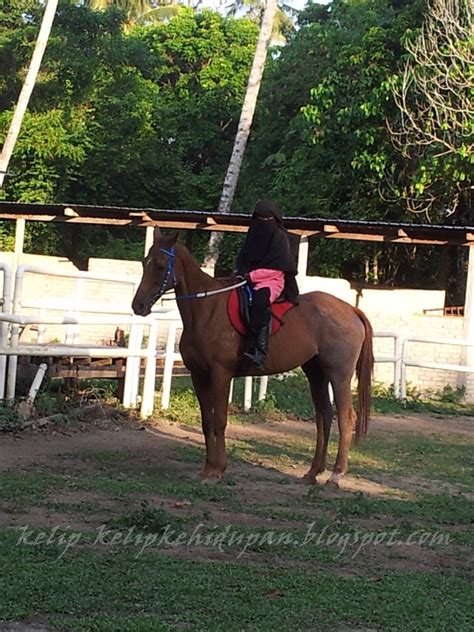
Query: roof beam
360	230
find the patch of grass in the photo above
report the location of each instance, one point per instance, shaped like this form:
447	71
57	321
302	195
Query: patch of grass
189	454
447	402
10	418
289	395
184	406
423	509
110	588
148	518
407	453
20	487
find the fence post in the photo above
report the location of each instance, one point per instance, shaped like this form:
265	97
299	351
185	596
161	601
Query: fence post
403	372
148	397
248	393
397	373
168	365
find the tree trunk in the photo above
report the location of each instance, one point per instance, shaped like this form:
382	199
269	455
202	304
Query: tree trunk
246	118
27	88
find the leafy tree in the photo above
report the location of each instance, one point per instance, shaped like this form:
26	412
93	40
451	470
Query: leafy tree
323	147
245	123
138	118
138	11
434	126
27	87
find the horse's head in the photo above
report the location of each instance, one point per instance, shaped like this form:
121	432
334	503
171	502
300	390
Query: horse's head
159	273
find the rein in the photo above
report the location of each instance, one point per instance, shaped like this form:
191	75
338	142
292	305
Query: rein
170	271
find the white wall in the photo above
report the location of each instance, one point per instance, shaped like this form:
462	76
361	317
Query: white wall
396	310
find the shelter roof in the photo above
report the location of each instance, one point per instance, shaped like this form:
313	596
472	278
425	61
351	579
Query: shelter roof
389	232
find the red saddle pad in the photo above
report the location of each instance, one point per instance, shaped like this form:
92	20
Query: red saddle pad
279	309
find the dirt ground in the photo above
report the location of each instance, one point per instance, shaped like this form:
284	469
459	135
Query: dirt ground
117	449
146	445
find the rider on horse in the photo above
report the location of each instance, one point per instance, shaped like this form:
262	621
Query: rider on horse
267	261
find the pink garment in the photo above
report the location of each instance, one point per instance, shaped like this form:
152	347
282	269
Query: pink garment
274	280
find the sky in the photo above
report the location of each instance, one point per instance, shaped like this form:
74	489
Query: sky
296	4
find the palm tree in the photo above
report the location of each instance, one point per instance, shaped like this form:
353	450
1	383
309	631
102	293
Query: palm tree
243	130
254	9
27	88
139	11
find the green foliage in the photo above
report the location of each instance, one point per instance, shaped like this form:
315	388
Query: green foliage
141	118
146	116
434	126
148	519
321	144
10	418
452	395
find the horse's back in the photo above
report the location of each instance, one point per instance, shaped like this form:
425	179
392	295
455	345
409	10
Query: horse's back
324	301
333	316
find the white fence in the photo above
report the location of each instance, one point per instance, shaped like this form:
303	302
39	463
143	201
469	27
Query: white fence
6	298
11	320
439	366
14	301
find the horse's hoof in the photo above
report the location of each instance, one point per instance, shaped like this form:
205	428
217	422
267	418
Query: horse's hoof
210	476
333	481
211	480
309	480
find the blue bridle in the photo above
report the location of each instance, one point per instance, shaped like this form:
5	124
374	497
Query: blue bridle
169	269
171	254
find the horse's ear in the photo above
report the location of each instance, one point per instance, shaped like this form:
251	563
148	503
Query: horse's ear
156	235
170	240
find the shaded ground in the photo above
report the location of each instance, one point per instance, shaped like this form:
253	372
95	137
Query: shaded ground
403	512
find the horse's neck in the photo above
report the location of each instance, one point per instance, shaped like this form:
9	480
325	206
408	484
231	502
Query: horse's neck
193	280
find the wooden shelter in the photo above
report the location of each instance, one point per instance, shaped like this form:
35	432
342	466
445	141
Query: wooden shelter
304	227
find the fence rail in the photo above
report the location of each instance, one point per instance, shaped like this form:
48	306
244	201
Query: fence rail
13	302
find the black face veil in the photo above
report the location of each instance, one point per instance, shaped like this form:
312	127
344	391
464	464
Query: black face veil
266	244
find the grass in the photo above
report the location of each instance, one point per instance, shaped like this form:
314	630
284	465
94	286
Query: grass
271	554
113	590
288	395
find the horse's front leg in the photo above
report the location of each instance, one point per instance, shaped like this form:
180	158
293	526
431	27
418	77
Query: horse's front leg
212	391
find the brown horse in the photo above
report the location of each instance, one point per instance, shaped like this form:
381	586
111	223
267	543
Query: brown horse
327	337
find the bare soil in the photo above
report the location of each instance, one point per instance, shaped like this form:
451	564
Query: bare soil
156	448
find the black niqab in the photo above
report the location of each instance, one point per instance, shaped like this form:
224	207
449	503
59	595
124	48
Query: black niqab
266	244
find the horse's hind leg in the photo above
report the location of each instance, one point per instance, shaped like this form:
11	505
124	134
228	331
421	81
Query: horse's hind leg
319	385
346	418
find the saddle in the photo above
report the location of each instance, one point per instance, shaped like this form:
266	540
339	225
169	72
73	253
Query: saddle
238	310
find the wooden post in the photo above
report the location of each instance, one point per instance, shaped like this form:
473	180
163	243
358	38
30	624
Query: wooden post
468	378
148	238
19	241
303	251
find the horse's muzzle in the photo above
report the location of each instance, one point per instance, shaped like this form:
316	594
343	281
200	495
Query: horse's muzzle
141	308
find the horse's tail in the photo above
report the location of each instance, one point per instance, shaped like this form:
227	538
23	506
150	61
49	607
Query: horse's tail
364	370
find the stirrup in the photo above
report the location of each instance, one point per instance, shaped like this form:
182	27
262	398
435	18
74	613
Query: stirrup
256	356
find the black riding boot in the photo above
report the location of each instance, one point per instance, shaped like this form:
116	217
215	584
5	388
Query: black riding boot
257	343
258	347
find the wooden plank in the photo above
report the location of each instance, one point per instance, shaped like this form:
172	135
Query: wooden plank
85	373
